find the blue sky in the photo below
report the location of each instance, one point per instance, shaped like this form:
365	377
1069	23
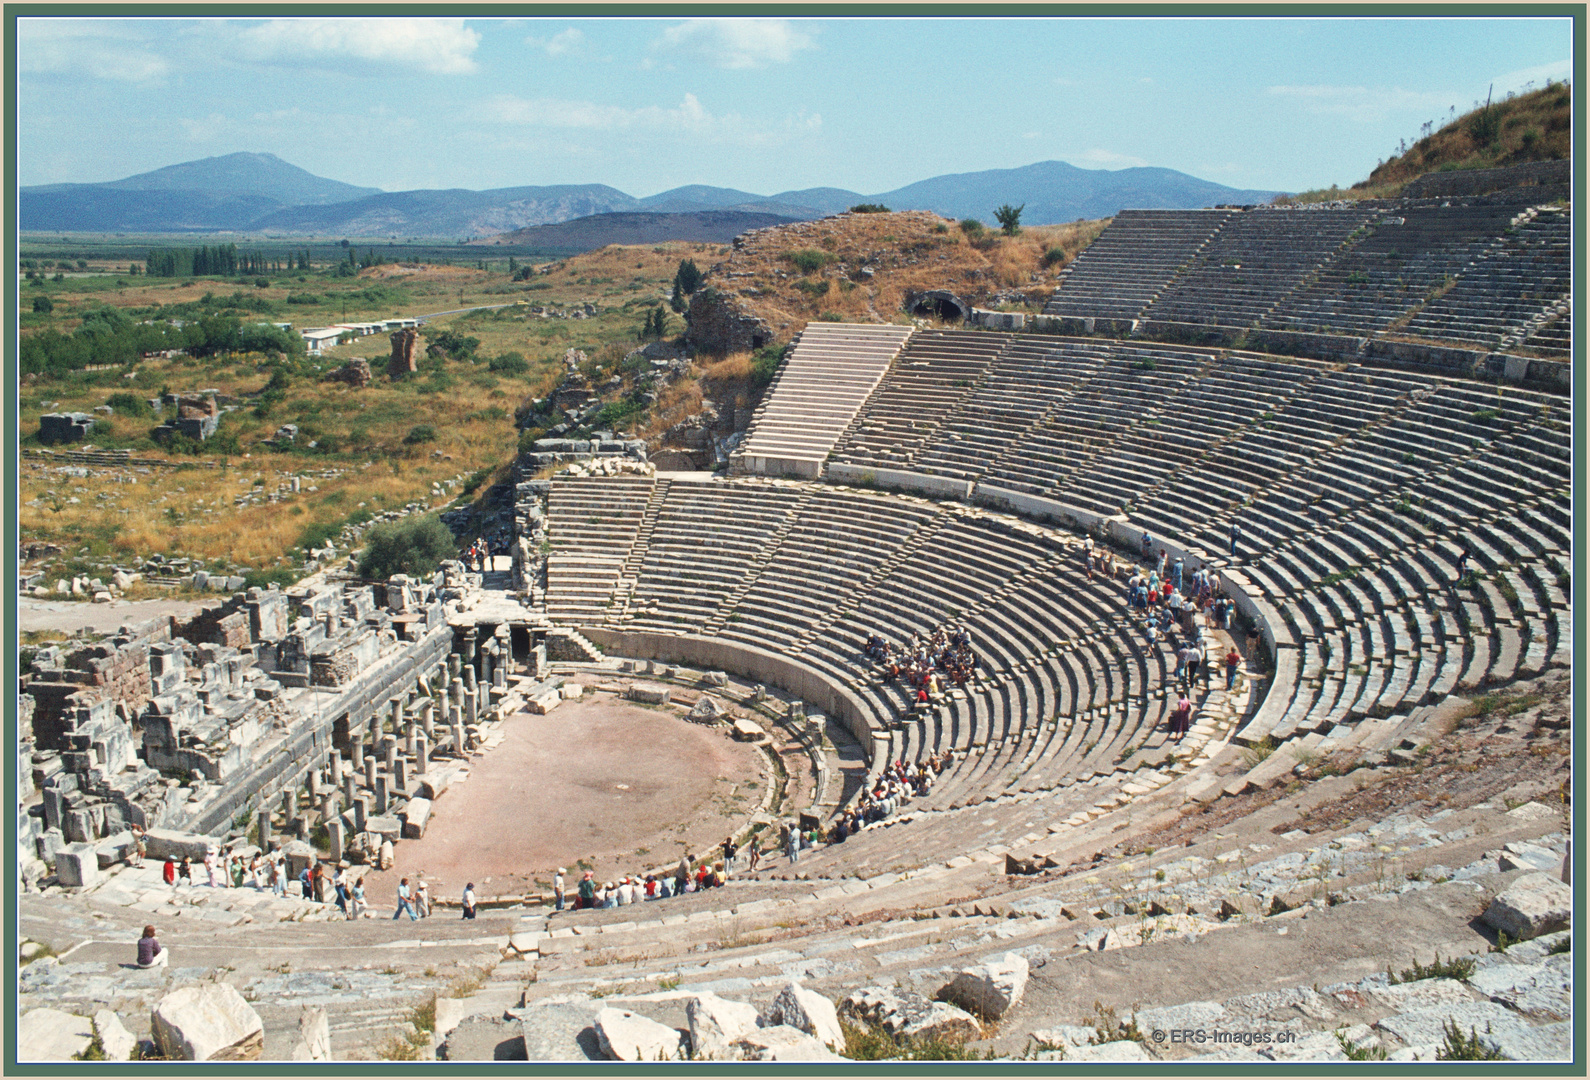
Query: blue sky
764	105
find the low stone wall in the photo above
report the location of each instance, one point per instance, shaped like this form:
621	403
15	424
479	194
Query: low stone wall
1481	181
938	487
817	690
1333	347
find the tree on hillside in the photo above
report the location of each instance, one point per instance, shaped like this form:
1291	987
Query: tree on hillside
656	324
686	281
1009	218
414	546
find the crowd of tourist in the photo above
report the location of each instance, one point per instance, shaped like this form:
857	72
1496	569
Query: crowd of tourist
926	663
899	782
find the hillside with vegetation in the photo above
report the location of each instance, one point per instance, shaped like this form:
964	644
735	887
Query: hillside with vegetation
1513	130
861	267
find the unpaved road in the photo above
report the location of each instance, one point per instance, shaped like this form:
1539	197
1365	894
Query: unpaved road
73	615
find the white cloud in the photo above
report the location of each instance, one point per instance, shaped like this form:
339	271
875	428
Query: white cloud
86	48
437	46
689	117
1533	77
1363	104
736	43
1100	158
562	43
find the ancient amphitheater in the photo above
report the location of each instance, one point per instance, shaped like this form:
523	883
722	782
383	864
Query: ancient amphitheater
1374	395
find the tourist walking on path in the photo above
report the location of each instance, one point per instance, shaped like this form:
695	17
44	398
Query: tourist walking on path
1236	534
209	865
1233	659
1463	566
403	901
139	847
756	854
794	845
422	899
357	903
469	900
340	883
1181	719
557	890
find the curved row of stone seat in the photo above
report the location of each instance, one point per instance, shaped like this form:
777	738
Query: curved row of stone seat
932	376
1254	262
826	566
1529	271
598	521
1405	255
1122	271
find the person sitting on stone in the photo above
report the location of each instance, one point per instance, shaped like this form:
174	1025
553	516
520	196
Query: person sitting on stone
585	894
185	871
150	954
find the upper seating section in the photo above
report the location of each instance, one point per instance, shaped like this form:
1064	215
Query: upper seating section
1405	256
1524	275
1255	260
1121	272
832	370
1483	273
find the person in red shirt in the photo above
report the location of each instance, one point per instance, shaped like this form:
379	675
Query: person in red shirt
170	872
1233	660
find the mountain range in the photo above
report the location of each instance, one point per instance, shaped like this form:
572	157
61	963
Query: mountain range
262	194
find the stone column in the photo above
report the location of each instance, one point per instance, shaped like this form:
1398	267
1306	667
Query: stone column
391	752
289	807
369	773
361	812
454	663
381	793
455	691
459	746
470	682
313	781
356	754
334	830
428	718
468	649
471	707
350	787
409	731
400	773
397	716
421	748
263	816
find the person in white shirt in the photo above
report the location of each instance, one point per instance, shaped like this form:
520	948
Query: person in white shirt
469	900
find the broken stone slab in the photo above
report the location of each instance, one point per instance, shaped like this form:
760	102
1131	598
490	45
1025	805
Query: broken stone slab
386	826
909	1015
483	1038
114	849
1420	1026
52	1035
1548	1042
208	1022
314	1037
647	693
114	1038
1532	905
544	701
626	1036
705	710
715	1023
77	865
162	844
749	731
716	678
560	1029
450	1012
1120	1050
430	785
781	1043
989	990
808	1011
415	816
1521	855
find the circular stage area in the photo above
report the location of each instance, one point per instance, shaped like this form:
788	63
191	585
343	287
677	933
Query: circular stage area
621	786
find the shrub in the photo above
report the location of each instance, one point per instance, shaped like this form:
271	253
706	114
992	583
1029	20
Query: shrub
1459	968
831	316
1054	255
764	364
873	1043
1460	1047
43	305
1009	218
420	433
810	260
813	289
972	227
509	363
415	546
302	298
869	208
128	404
